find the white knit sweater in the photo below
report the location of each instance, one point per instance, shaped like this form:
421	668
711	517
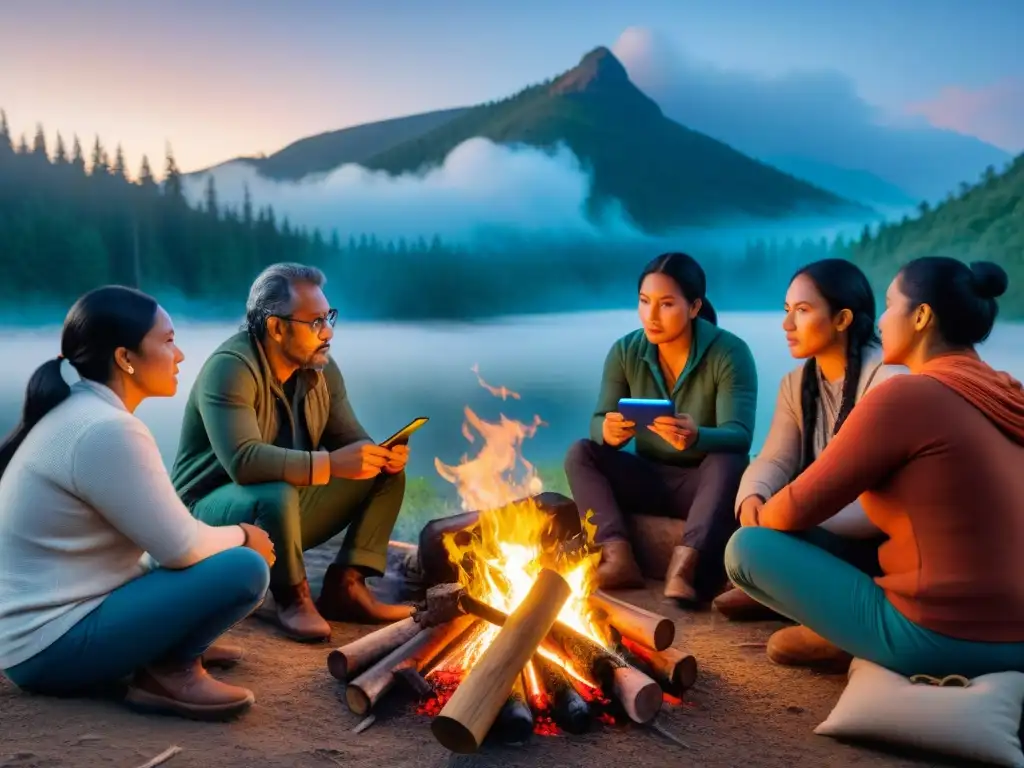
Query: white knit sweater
85	496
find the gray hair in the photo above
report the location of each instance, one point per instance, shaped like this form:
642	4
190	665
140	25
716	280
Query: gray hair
271	293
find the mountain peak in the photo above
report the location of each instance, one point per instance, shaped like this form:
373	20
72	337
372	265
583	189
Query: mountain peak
596	71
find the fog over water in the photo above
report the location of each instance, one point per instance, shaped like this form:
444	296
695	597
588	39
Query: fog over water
395	372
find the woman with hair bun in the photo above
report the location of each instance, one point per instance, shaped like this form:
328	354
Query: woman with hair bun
935	458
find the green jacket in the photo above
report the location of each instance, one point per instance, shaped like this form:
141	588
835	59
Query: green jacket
232	422
718	388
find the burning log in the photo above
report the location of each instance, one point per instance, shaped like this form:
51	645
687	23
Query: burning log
414	655
434	558
674	670
569	709
639	695
515	720
467	717
642	626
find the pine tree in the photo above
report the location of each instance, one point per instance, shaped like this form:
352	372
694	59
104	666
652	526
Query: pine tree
119	169
60	156
39	144
247	207
100	166
23	145
146	180
210	197
172	179
6	148
77	159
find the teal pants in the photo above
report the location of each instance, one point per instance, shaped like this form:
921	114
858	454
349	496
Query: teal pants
844	605
164	615
299	519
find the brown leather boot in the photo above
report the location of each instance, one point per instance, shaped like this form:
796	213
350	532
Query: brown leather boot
188	690
800	647
223	655
296	615
618	568
681	571
345	597
737	605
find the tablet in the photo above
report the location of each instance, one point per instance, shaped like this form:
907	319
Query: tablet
643	412
402	436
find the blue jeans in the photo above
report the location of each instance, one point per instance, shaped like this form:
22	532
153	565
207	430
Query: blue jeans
844	605
165	615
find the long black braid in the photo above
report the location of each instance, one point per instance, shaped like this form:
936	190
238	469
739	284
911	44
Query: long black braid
843	286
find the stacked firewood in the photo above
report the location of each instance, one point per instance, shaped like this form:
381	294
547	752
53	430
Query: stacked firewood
492	696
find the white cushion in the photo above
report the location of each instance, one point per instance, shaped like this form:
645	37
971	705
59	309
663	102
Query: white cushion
978	722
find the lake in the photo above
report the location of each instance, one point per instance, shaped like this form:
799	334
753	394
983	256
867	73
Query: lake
396	372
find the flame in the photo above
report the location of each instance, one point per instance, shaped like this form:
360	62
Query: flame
501	562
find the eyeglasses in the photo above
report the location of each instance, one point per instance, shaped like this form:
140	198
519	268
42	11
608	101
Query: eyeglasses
316	324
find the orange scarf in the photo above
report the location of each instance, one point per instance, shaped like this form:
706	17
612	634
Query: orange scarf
995	393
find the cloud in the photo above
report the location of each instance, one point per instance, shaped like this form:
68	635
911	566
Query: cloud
481	186
809	115
994	113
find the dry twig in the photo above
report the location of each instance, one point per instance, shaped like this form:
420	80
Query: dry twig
660	729
365	724
162	758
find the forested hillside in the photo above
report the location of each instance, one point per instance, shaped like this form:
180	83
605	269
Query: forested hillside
68	224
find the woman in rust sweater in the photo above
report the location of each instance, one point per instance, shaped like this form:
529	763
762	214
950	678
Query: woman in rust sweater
936	460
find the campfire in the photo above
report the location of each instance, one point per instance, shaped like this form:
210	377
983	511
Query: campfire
520	642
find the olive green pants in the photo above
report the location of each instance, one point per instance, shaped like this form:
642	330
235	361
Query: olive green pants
299	519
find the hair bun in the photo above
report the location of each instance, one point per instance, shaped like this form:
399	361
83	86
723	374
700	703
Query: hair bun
990	280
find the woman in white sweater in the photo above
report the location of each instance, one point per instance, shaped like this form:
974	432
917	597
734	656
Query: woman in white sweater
829	323
104	574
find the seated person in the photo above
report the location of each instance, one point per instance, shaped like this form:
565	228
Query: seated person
687	466
84	495
936	459
830	323
269	438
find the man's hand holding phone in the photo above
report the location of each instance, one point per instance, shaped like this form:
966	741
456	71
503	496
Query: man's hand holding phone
362	461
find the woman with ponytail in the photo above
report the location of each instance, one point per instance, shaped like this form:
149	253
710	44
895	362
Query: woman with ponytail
935	458
830	324
687	465
104	574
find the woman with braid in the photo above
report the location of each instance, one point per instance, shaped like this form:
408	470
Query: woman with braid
935	457
829	323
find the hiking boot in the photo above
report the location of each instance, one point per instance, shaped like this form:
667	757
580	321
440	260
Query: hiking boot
345	597
800	647
223	655
680	575
618	568
737	605
296	615
186	689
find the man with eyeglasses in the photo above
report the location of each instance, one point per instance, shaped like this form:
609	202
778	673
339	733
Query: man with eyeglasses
269	437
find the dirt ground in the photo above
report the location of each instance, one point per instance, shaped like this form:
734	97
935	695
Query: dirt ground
743	711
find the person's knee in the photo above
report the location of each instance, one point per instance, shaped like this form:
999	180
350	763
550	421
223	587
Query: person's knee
240	573
274	501
580	453
746	552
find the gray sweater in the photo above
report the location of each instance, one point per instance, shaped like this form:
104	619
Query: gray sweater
85	496
781	456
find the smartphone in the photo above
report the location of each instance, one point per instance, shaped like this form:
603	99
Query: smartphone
402	436
643	412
